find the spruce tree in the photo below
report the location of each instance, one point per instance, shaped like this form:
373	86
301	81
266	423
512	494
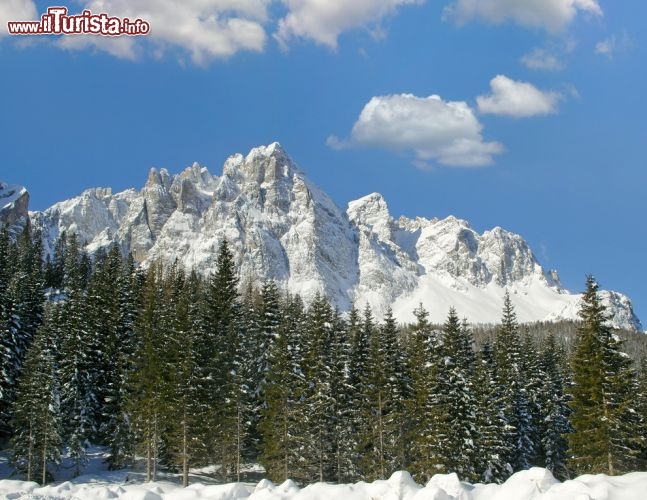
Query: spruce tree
8	349
223	385
79	362
262	325
553	410
182	413
281	417
493	443
514	394
641	409
21	310
534	387
115	427
396	393
318	455
603	418
37	423
145	403
109	314
422	410
350	416
384	401
368	380
456	399
342	396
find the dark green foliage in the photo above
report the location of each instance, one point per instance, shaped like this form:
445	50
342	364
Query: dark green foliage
187	373
147	390
342	394
641	409
228	394
456	400
493	443
385	396
552	406
21	310
603	419
37	440
395	394
421	408
514	393
317	462
280	416
183	440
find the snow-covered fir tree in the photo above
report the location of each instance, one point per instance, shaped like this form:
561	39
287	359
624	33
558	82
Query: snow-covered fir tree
554	425
36	443
493	438
421	406
457	400
21	309
512	381
603	389
278	426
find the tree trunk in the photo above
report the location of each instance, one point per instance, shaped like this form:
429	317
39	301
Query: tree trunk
380	432
185	452
321	456
30	453
44	457
286	446
148	455
154	443
238	443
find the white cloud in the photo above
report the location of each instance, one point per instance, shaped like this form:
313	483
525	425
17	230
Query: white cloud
517	99
206	29
613	45
446	132
324	20
552	15
542	59
16	10
551	57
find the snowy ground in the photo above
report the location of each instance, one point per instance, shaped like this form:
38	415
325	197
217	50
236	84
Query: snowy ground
534	484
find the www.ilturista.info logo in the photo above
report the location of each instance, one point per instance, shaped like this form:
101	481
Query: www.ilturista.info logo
57	22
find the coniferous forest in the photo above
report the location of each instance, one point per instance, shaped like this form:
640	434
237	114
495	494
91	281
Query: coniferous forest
180	371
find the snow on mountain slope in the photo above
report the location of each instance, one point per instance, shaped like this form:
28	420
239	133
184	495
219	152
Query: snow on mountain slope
14	202
282	227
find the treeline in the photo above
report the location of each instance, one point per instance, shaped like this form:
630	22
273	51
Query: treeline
186	371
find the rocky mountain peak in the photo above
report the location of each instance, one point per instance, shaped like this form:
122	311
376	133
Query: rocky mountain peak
263	164
14	206
283	227
158	179
371	213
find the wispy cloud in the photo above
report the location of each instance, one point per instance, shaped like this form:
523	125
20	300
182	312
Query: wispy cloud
613	45
551	15
324	21
542	59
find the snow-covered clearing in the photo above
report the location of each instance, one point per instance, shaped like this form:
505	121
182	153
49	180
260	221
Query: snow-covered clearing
533	484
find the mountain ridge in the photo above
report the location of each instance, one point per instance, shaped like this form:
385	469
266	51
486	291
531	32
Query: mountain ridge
281	226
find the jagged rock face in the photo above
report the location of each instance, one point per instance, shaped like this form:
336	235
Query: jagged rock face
14	207
282	227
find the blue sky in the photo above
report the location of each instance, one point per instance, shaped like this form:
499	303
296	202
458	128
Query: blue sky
525	114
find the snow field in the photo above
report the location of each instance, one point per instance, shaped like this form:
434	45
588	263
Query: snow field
533	484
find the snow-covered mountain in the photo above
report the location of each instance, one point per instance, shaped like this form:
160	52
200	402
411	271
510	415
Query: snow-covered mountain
14	204
282	227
